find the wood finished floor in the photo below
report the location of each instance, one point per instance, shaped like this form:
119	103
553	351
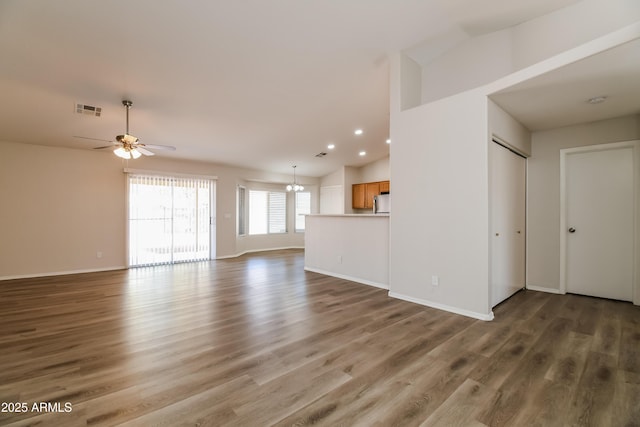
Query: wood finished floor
256	341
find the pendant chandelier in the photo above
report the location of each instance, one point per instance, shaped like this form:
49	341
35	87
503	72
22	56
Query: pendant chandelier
294	186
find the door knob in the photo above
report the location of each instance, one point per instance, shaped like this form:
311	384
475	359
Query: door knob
572	230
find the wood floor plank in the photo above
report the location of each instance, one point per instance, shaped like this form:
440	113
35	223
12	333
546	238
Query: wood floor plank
626	402
500	366
607	336
630	350
462	407
214	400
256	340
589	315
527	378
592	403
427	392
281	397
344	405
546	405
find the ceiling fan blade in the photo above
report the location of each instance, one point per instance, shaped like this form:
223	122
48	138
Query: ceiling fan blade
92	139
159	147
106	146
144	151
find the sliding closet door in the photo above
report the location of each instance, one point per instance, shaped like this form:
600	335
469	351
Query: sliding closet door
508	210
169	219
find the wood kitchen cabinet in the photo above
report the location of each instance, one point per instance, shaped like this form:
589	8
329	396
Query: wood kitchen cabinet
372	189
363	194
358	196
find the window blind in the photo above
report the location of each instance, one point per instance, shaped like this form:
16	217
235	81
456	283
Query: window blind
267	212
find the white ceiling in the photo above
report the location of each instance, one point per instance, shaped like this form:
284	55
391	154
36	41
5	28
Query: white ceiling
560	98
253	83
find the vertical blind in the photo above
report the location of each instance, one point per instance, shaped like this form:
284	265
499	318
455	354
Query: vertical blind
169	219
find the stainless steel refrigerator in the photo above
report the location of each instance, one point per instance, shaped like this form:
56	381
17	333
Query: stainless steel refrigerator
382	204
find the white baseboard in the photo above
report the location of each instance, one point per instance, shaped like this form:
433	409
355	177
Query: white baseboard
257	250
62	273
451	309
543	289
346	277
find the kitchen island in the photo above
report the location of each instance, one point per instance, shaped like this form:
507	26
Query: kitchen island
351	246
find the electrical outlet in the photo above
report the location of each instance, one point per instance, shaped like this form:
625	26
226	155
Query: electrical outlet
339	259
99	254
435	281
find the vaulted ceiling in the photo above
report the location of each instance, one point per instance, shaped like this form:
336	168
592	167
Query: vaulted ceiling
254	83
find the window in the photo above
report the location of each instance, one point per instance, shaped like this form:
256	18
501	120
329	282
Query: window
169	219
303	207
242	211
267	212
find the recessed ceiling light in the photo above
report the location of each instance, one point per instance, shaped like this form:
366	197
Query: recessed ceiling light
363	153
388	141
358	131
597	100
331	146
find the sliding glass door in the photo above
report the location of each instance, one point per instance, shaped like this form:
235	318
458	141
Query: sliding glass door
169	219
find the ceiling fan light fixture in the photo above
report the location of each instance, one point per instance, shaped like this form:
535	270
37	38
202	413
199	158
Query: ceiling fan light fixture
127	146
122	153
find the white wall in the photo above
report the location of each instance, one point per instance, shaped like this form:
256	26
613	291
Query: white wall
439	224
375	171
483	59
505	128
543	192
411	83
60	206
477	61
353	247
334	178
554	33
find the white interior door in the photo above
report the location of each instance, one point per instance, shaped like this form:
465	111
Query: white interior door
599	207
508	220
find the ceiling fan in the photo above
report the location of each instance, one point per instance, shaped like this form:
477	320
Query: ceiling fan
127	146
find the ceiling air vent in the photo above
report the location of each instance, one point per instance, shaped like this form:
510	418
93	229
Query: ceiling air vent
88	110
321	154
